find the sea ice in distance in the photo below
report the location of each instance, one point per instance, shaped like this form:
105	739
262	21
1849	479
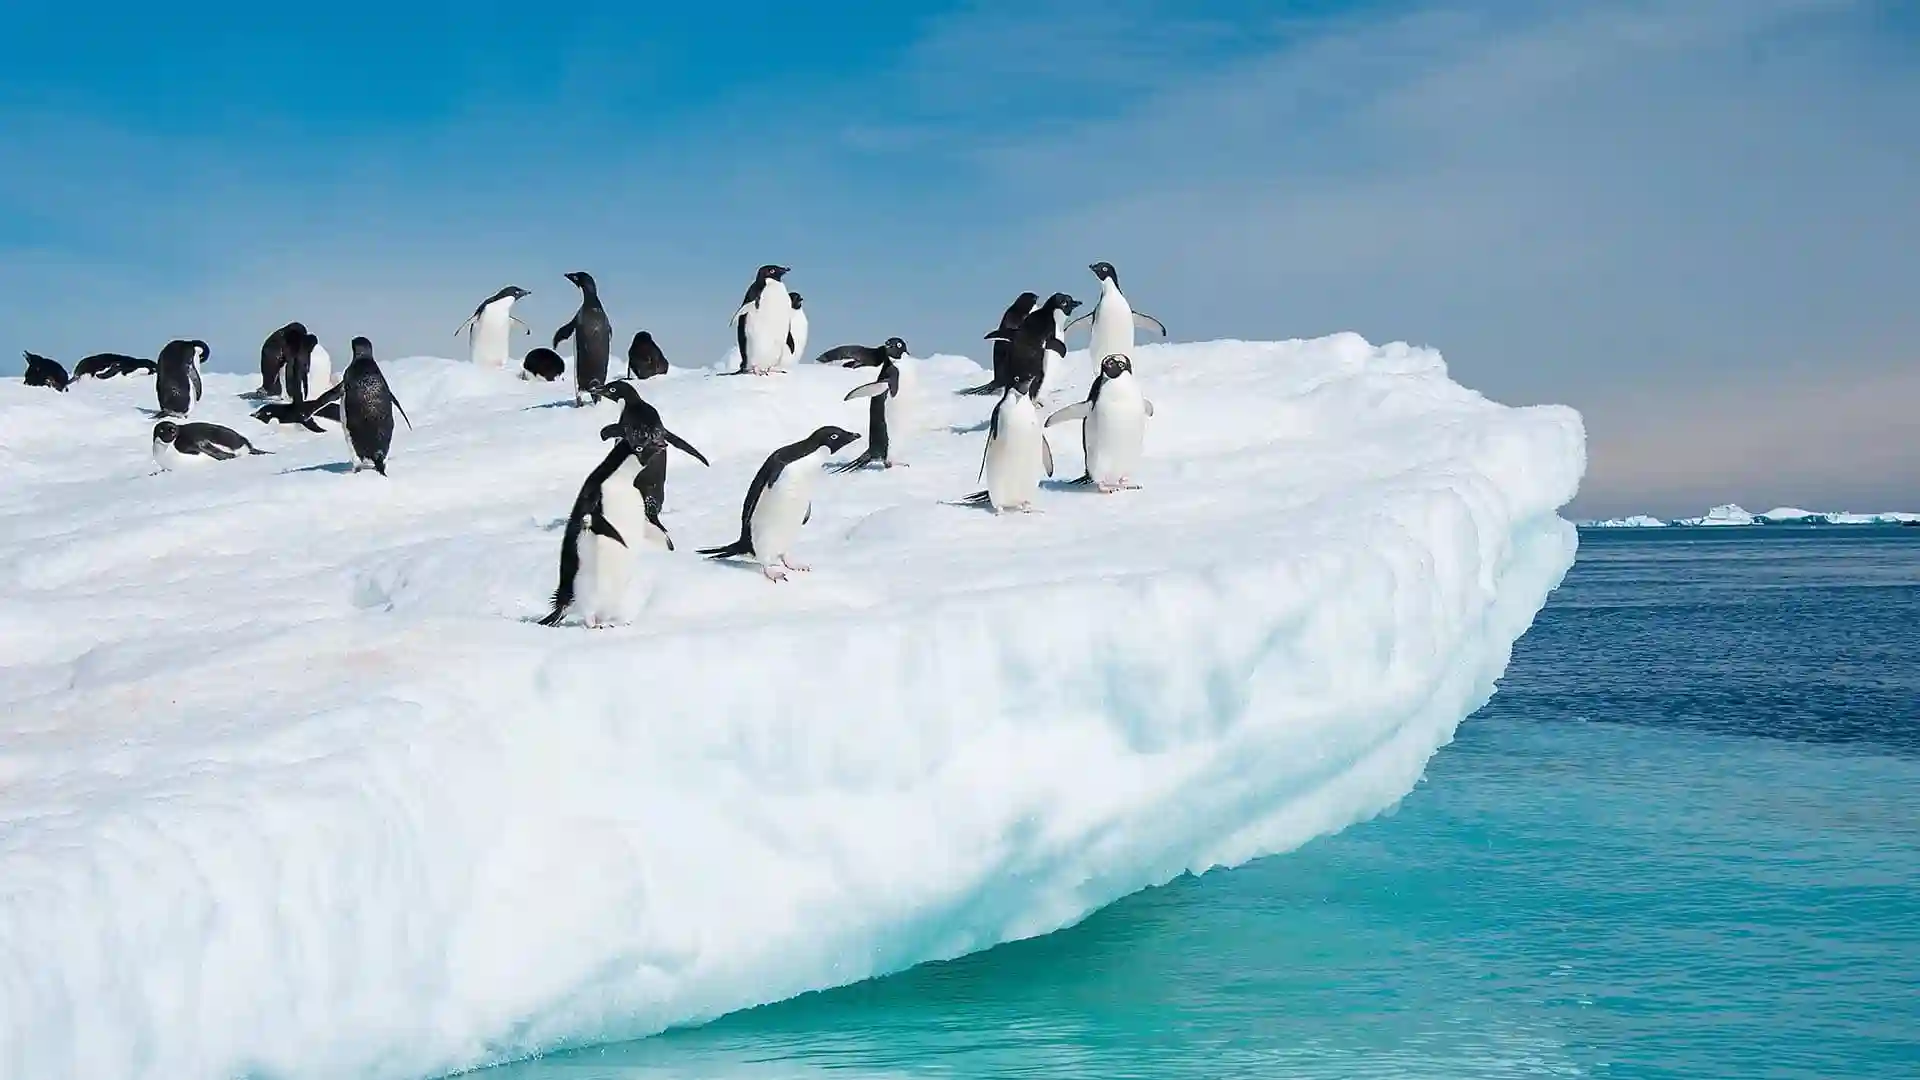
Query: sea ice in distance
292	786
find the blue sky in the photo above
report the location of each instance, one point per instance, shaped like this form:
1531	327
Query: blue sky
1698	221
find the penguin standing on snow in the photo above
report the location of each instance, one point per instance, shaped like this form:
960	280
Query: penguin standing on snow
761	325
1017	452
177	382
300	350
640	425
177	445
542	363
882	394
610	520
780	500
319	366
276	356
1113	317
367	406
796	333
492	324
1010	321
45	371
1029	343
644	358
1054	357
1113	428
592	334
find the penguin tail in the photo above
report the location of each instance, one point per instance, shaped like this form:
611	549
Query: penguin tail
380	465
252	449
1085	480
739	547
865	459
980	391
978	498
553	619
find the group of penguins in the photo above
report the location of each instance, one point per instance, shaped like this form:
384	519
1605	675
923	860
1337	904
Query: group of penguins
618	506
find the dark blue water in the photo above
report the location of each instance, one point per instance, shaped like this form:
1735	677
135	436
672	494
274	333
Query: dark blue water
1682	841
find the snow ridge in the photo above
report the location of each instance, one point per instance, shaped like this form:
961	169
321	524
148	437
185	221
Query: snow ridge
291	786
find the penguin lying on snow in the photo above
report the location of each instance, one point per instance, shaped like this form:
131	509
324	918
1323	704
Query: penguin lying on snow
881	393
1114	425
44	371
856	356
610	518
1017	452
177	445
1010	321
106	365
780	500
640	425
543	363
295	413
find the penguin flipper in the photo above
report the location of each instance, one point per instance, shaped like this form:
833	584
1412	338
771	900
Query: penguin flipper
1083	318
1143	320
523	326
307	422
397	405
867	391
686	447
1148	405
598	524
565	332
1079	410
809	516
1054	344
611	431
214	450
1046	453
464	325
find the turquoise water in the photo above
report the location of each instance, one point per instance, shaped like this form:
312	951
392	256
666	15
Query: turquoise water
1683	841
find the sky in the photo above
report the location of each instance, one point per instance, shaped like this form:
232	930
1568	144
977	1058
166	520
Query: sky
1696	221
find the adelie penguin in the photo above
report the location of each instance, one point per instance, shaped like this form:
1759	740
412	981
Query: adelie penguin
761	324
857	356
780	500
592	334
107	365
296	413
1010	321
611	519
796	334
638	424
45	371
185	445
276	361
1113	425
1113	317
177	381
1017	453
1029	343
543	363
1054	357
367	406
644	358
882	395
492	322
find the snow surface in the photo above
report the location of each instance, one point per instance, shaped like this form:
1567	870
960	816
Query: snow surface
291	786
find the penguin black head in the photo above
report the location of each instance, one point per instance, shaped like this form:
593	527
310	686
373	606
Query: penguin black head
834	438
1105	272
795	297
200	351
1115	365
895	348
773	272
1062	302
165	431
362	349
1022	384
516	292
618	390
583	279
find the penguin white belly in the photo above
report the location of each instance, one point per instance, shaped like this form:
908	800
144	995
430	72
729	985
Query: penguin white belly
1052	364
797	330
165	456
490	333
1115	432
767	327
1014	461
1112	330
319	371
606	564
782	509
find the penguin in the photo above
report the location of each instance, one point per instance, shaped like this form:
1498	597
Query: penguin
592	334
780	500
178	445
492	324
1010	321
367	406
640	425
1053	358
796	333
319	367
131	366
177	385
276	356
1113	317
760	326
299	374
882	393
105	365
856	356
1114	425
644	358
543	363
287	412
45	371
1029	343
610	518
1017	451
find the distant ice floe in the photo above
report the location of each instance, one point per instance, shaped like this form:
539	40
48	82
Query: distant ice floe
1732	514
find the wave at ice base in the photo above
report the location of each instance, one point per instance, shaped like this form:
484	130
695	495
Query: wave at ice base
289	788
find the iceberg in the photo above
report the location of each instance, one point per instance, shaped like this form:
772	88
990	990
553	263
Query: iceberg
1786	514
1730	514
1637	521
291	785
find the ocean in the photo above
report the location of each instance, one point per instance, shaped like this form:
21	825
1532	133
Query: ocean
1683	840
